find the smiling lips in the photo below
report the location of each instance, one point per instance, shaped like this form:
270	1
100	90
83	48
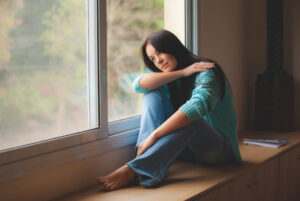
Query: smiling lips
164	66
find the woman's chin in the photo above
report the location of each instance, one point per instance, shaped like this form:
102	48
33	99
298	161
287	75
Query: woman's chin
167	70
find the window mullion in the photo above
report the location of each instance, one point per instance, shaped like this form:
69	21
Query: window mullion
191	25
102	63
92	63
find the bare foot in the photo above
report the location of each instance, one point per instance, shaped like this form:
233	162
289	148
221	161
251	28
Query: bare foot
117	179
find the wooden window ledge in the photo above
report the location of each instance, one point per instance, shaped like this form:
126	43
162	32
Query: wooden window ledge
189	181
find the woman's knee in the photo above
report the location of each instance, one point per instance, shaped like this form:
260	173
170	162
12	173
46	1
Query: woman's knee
156	94
158	99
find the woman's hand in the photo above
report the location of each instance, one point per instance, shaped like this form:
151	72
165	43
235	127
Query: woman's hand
196	68
148	142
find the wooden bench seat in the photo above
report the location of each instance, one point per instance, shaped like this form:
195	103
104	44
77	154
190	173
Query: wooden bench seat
189	181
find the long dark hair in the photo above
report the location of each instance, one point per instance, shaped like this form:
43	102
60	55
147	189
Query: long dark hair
180	90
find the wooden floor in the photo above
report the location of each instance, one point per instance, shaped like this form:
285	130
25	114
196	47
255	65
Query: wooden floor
187	180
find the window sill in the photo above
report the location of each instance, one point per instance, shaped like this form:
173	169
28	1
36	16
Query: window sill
189	181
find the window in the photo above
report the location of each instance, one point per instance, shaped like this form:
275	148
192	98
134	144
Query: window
128	23
47	71
66	69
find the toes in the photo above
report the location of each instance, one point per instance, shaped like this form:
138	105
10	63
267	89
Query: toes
101	181
107	183
109	187
112	187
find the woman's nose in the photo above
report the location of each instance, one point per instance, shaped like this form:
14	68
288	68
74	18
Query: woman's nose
158	59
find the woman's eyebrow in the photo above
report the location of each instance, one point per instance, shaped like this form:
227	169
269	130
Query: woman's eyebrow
155	52
149	56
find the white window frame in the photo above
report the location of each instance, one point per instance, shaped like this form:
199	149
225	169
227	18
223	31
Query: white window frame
191	25
27	159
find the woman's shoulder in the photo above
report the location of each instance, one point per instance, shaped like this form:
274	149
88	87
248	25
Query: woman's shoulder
205	75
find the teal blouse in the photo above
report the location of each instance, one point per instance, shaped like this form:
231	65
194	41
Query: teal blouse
205	103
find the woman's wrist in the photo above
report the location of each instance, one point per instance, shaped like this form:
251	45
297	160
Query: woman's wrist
155	135
181	72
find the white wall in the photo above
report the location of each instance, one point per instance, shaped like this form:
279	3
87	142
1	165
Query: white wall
174	18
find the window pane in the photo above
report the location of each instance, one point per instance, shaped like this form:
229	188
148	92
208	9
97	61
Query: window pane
44	76
128	23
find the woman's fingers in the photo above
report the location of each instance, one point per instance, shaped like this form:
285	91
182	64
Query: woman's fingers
197	67
140	151
141	148
148	142
205	64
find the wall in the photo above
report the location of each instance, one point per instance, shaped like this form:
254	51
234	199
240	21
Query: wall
256	48
222	38
292	48
174	18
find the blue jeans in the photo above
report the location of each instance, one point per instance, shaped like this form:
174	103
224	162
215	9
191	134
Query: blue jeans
198	141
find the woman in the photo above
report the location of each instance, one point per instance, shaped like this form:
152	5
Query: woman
187	112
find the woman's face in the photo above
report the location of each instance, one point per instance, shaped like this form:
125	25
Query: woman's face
163	61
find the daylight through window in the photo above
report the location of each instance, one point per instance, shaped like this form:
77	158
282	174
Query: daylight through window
44	72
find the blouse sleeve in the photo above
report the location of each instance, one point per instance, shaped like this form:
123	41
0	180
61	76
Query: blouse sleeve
204	96
137	87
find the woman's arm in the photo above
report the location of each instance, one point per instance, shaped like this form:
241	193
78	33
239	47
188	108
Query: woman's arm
155	80
176	121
